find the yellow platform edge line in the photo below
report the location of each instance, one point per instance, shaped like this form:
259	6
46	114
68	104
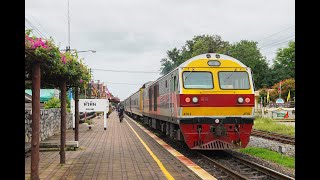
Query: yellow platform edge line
164	170
195	168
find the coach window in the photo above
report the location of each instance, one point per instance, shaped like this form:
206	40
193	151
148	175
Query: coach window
197	80
234	80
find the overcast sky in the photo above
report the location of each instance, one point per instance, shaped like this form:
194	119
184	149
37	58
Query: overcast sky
133	35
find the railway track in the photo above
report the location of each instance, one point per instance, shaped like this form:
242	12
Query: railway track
225	165
235	167
273	136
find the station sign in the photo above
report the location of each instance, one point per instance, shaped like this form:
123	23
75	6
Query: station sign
93	105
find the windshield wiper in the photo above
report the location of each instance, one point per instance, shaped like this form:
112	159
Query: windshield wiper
230	75
188	74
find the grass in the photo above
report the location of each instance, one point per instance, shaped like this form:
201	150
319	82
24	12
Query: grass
269	155
267	124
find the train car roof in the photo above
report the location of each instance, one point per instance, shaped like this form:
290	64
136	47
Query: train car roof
213	56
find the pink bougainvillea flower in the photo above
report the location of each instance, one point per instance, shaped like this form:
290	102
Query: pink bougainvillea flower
64	60
81	80
36	44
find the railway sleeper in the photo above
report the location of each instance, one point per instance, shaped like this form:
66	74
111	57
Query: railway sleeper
252	173
259	177
245	169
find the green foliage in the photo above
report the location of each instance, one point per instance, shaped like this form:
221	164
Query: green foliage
267	124
248	53
173	60
198	45
284	63
89	121
52	103
28	32
68	104
208	44
269	155
56	103
27	85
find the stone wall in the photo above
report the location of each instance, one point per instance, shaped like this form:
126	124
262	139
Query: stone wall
50	121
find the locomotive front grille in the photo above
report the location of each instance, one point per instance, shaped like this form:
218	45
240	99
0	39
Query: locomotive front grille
217	145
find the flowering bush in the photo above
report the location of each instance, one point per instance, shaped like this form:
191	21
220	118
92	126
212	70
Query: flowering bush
286	86
43	49
57	65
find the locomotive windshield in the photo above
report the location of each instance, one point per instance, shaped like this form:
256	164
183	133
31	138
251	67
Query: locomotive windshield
233	80
197	80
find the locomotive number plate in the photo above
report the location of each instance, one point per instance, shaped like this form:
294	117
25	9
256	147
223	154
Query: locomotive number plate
187	114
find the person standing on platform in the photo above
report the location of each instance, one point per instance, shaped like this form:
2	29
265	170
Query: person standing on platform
121	112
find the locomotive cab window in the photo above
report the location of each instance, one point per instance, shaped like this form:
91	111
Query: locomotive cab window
197	80
233	80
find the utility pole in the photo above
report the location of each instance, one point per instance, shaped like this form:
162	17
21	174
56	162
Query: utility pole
68	47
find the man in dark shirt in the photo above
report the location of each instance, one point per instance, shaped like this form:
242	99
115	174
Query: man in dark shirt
121	111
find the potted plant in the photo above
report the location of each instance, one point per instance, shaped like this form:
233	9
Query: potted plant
90	123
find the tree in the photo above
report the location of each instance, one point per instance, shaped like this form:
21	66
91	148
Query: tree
172	61
248	53
284	63
286	86
198	45
208	44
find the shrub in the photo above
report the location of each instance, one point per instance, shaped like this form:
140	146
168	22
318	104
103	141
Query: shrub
56	103
52	103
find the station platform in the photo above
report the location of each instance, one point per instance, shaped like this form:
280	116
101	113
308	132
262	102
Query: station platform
125	150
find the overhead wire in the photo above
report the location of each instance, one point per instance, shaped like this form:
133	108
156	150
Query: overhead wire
276	33
277	41
40	25
35	28
111	70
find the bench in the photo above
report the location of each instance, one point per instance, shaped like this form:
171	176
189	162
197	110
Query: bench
56	144
27	147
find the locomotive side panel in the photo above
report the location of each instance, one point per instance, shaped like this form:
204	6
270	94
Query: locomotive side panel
161	99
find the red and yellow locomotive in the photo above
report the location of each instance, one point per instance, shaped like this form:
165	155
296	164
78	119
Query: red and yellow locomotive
208	102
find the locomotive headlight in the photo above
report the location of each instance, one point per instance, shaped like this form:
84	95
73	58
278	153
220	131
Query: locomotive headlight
240	100
217	121
195	100
187	99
